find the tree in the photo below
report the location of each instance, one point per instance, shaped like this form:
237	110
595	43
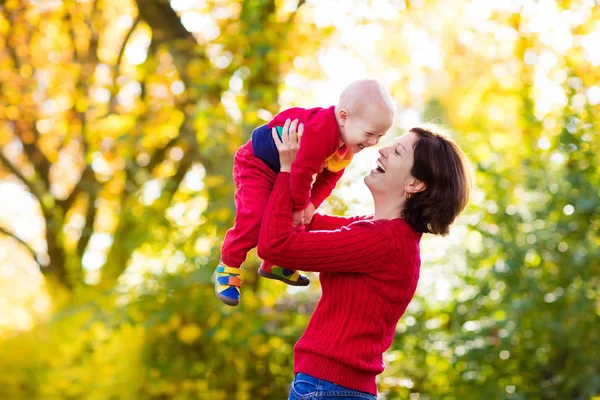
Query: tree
523	322
70	94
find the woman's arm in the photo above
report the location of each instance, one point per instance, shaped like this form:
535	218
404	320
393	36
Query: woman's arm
324	222
361	246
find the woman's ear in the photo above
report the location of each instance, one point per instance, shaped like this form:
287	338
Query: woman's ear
416	186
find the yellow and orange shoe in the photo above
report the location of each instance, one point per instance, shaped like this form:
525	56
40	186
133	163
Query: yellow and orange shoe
227	284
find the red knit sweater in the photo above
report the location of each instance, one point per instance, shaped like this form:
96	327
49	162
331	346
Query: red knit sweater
320	140
369	273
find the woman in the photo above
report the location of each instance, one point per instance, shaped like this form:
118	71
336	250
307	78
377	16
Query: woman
369	266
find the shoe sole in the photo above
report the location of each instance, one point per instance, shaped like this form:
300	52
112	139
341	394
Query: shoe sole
269	275
227	300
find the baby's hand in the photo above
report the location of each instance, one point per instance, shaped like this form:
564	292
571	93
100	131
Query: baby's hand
298	217
309	212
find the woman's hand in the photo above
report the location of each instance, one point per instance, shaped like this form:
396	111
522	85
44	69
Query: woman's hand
308	214
289	143
298	217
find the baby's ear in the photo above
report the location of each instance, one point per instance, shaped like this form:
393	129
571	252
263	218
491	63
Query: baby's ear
343	116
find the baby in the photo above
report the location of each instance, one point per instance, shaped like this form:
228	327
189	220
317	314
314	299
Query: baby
330	139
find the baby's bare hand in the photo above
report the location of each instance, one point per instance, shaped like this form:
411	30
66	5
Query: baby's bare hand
289	143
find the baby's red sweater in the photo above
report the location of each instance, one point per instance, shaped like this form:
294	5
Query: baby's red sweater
320	140
369	272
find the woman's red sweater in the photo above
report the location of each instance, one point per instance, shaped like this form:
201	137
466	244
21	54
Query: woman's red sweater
369	272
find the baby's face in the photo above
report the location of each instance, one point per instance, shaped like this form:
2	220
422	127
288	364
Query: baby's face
359	132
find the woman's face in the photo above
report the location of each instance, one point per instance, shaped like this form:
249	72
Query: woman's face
395	161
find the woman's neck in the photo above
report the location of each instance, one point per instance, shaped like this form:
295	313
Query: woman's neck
387	209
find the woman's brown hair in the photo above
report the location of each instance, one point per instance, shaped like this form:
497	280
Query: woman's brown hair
442	165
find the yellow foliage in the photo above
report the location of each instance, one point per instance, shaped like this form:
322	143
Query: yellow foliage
115	125
500	315
174	321
214	181
276	342
222	214
262	349
114	357
189	333
488	86
222	335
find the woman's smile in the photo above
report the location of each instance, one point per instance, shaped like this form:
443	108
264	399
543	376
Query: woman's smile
380	167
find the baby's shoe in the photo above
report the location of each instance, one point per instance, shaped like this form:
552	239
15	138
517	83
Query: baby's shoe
289	276
227	284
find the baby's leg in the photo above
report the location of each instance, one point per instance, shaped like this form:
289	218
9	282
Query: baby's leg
254	182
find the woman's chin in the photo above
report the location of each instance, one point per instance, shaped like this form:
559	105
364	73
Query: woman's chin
375	182
369	179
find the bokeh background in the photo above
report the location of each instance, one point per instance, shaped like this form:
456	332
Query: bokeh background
118	123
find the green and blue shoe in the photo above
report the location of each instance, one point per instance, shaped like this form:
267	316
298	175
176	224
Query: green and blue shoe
289	276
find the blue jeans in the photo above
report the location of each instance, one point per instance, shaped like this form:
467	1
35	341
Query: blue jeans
309	387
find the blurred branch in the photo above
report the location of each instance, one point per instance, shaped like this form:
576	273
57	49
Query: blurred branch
167	28
90	219
30	185
12	51
122	51
163	20
71	30
188	136
12	48
159	155
117	67
87	182
22	242
23	129
95	37
175	181
152	49
88	65
39	161
293	14
55	252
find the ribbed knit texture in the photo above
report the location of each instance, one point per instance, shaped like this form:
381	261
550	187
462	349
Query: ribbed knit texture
369	273
321	140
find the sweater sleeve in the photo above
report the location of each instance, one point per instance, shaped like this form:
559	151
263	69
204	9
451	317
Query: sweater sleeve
361	246
313	151
324	185
323	222
318	143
